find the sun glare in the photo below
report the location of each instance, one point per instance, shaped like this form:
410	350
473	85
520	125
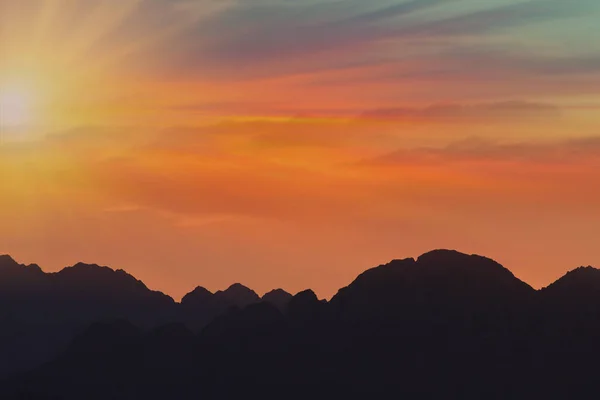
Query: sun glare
15	107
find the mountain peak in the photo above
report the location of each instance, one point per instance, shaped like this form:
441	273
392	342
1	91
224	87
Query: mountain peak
83	269
95	278
305	306
238	287
238	295
453	257
277	292
5	259
306	295
81	266
588	272
278	297
577	280
200	290
440	278
198	296
479	269
11	270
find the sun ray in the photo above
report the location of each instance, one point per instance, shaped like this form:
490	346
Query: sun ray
155	37
43	25
99	21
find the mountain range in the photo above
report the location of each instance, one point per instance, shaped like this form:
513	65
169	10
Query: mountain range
41	312
445	324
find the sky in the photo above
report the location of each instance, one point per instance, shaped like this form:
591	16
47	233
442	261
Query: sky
296	143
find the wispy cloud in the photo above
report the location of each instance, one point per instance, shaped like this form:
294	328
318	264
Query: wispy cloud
272	34
497	112
503	17
582	151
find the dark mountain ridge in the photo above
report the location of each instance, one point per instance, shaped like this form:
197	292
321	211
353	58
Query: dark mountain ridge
441	281
440	317
41	312
278	297
238	295
582	279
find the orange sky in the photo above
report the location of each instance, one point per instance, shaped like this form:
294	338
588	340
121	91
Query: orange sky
295	144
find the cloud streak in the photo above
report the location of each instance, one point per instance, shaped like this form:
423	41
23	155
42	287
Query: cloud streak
584	152
489	113
272	34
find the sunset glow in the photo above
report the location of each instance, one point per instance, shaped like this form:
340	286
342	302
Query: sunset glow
295	143
15	107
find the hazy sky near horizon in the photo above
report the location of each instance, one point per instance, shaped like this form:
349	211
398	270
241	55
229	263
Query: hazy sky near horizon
296	143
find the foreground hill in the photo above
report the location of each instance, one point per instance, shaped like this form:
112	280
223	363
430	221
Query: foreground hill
40	313
441	282
80	292
446	325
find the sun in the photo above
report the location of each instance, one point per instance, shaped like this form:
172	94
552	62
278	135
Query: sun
15	107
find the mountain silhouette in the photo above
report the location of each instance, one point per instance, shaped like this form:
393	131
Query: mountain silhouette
573	301
278	297
444	325
238	295
440	282
41	312
582	283
197	297
18	279
91	290
305	307
200	306
83	292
